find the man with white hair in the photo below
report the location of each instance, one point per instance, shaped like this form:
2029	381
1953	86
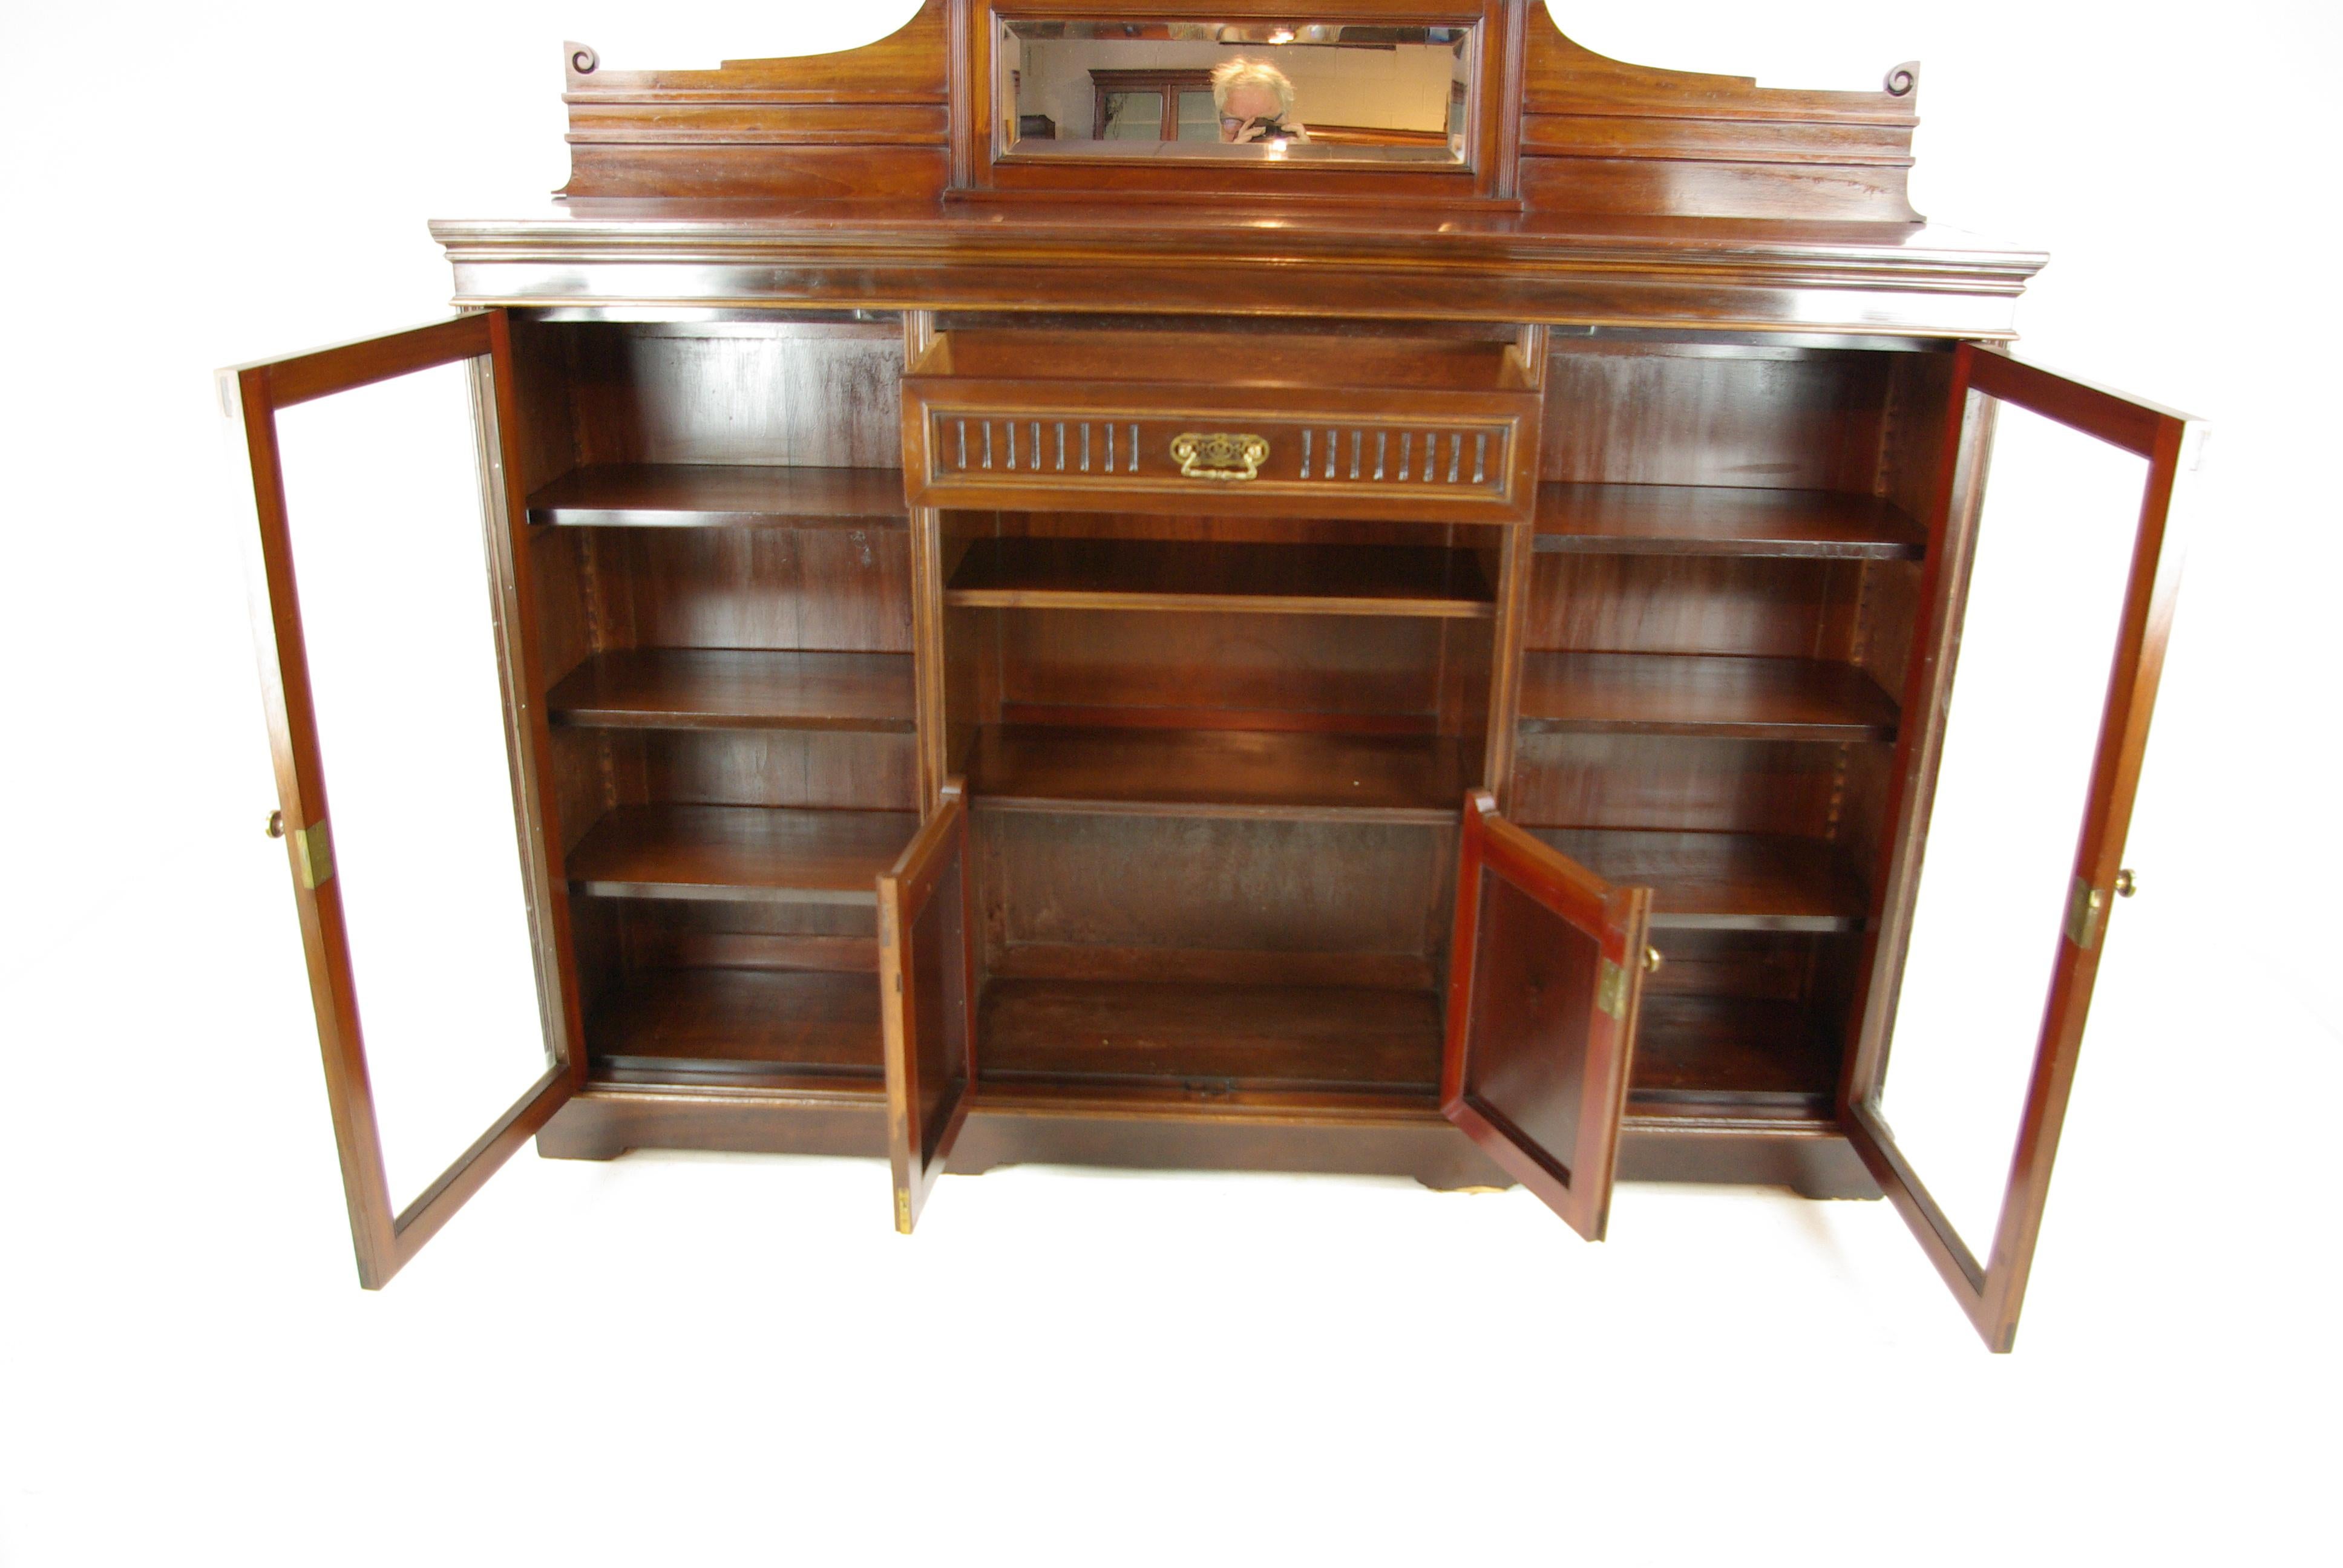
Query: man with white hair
1255	102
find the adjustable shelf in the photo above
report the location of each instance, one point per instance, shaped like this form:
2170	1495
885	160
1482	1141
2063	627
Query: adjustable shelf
737	688
1130	1033
1688	694
1724	881
720	495
1722	521
739	852
1218	772
1197	575
739	1026
1695	1047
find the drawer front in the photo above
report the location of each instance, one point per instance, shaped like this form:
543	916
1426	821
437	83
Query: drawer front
1184	450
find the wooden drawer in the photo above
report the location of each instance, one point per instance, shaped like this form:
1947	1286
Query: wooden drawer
1222	424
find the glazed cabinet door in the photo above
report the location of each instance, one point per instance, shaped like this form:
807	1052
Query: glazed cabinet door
2054	564
1546	971
927	983
392	606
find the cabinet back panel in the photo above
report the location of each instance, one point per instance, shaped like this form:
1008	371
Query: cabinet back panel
797	394
1070	895
839	771
1686	784
1691	414
846	590
1329	667
663	934
1692	604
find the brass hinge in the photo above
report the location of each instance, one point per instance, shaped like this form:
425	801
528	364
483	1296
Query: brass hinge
2086	915
1611	989
313	852
903	1210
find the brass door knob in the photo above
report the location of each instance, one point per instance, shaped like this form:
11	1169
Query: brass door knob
276	828
2124	886
1651	960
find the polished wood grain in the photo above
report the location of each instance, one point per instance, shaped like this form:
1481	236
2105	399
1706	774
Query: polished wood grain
928	982
1731	1049
1726	882
739	852
1166	575
1208	1039
719	495
1534	1054
1681	694
1722	521
738	1026
736	689
1222	771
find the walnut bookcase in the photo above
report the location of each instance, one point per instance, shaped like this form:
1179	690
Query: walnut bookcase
1032	664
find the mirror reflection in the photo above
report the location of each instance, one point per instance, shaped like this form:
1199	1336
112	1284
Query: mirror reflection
1250	91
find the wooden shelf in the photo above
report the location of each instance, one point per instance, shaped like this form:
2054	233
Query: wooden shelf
1724	881
1202	575
722	494
1687	694
1723	520
1254	1036
1222	772
1691	1047
739	852
737	688
694	1025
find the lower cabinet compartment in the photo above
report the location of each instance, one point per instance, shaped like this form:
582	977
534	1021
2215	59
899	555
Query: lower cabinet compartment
738	1026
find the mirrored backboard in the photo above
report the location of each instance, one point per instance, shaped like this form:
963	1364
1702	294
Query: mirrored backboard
1302	92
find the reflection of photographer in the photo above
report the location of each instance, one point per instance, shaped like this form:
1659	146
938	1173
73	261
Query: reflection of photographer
1256	103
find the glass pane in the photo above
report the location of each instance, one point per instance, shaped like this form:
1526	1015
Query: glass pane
384	503
1199	121
2054	549
1135	116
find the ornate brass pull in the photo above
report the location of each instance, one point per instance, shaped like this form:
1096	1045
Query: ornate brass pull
1220	456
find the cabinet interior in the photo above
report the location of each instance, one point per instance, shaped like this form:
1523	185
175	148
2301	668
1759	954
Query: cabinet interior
1215	763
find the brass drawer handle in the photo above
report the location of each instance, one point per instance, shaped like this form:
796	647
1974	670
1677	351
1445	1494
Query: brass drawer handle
1219	456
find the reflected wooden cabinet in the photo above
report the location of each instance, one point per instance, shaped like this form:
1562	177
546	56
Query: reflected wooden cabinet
1450	682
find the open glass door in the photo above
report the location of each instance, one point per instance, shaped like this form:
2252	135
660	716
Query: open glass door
438	957
1547	973
2021	768
927	984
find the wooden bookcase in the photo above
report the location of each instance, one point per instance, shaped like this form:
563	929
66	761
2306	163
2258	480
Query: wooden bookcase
1480	727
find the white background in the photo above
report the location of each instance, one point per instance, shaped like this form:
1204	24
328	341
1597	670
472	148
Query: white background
681	1359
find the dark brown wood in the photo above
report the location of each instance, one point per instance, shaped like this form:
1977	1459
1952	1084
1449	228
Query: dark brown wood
739	1027
739	852
927	989
1154	574
720	495
385	1239
1207	1041
1547	965
1992	1290
737	688
1394	777
1719	520
1689	694
1740	882
1709	1046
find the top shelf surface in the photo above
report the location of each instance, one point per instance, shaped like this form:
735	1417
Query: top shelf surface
722	494
1722	521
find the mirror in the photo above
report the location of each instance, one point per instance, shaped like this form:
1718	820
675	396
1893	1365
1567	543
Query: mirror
1315	93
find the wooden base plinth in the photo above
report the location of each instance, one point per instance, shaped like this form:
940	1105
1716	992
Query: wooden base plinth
1807	1158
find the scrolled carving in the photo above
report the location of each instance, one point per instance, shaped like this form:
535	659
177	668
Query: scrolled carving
583	60
1903	79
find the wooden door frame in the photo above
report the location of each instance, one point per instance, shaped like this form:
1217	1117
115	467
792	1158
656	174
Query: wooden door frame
1992	1292
385	1239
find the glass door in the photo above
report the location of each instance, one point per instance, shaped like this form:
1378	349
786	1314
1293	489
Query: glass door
2031	698
393	615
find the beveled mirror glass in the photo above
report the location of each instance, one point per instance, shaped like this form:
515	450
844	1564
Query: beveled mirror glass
1302	92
